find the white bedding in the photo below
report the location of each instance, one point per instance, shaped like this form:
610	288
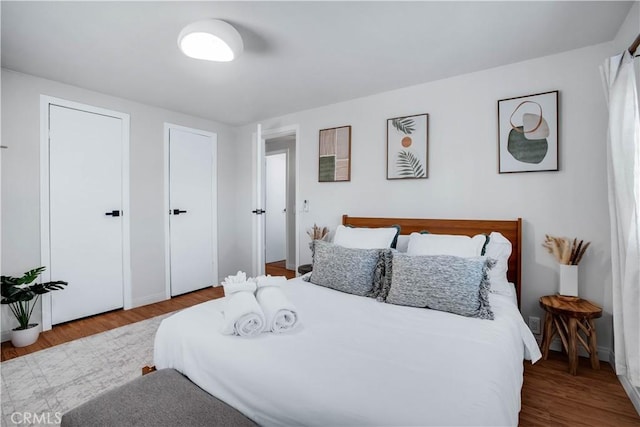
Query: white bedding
355	361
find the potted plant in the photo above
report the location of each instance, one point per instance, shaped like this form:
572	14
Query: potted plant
568	254
21	295
317	233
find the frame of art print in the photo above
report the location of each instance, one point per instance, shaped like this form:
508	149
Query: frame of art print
408	147
528	133
334	158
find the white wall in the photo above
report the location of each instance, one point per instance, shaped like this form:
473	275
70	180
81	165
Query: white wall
463	180
21	185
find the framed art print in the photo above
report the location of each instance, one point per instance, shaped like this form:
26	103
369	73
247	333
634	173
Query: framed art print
334	162
528	133
407	147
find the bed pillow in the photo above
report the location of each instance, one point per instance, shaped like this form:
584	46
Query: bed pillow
402	243
442	282
446	244
366	238
348	270
499	248
382	275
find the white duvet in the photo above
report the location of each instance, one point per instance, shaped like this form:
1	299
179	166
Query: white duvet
354	361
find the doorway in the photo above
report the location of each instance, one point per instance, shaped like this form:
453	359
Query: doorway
270	144
84	209
275	240
191	253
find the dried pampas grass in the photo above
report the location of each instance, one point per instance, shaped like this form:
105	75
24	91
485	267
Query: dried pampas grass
564	250
318	233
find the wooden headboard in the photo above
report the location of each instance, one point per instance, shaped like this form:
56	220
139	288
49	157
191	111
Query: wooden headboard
512	230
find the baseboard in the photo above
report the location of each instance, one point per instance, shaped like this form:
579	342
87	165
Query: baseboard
632	392
150	299
604	353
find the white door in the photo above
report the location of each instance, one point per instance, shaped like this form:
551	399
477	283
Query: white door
85	212
258	203
258	223
192	211
276	203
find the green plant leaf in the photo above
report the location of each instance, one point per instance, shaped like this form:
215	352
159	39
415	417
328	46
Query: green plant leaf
31	275
43	288
404	125
19	292
409	166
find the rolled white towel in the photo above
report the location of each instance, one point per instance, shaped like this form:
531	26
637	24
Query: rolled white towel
264	281
232	288
280	314
239	277
243	315
238	283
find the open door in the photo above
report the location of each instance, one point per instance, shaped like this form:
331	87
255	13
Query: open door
259	195
258	203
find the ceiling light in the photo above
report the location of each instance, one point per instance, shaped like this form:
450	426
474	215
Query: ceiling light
212	40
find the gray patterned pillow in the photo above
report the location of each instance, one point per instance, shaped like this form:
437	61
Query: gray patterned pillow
382	278
345	269
442	282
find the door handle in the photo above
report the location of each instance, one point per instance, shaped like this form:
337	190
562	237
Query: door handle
258	211
178	211
113	213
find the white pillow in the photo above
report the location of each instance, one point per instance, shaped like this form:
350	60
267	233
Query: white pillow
499	248
446	244
403	243
502	287
364	238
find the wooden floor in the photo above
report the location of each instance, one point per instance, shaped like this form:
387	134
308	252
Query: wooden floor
550	396
103	322
278	268
553	397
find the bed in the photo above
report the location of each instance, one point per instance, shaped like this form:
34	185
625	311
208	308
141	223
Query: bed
355	361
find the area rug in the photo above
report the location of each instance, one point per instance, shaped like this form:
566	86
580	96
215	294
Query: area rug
39	387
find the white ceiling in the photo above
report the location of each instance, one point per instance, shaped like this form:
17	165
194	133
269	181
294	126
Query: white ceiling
298	55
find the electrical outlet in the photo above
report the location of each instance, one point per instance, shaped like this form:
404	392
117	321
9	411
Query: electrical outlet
534	324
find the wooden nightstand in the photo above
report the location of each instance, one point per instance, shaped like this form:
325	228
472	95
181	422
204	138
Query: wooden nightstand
304	268
569	317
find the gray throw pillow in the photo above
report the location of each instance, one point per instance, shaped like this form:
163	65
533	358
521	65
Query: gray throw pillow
382	277
345	269
442	282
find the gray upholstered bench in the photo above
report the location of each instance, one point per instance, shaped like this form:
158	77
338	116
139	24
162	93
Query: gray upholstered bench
161	398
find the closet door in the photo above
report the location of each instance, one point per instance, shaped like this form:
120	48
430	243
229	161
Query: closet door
192	210
85	212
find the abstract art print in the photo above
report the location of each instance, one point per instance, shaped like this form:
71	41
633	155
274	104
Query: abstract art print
407	147
528	133
335	155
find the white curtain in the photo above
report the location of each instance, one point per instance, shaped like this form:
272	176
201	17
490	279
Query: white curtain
623	164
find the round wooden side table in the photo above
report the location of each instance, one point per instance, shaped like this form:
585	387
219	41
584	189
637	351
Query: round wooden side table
570	318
